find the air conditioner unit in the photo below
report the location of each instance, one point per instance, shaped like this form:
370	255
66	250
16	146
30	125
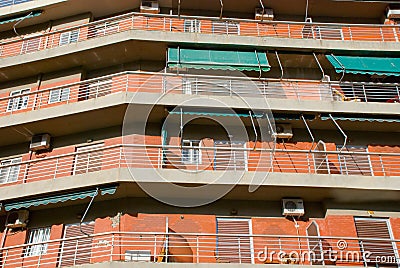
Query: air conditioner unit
392	13
138	255
17	219
292	207
284	131
40	142
268	14
149	6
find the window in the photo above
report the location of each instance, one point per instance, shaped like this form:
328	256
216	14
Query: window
192	26
58	95
89	159
18	102
69	37
31	45
315	244
355	164
10	173
235	243
230	159
381	251
321	159
225	27
106	28
76	251
191	155
38	237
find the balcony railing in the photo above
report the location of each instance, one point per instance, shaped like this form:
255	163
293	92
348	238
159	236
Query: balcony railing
4	3
28	100
200	25
203	248
202	158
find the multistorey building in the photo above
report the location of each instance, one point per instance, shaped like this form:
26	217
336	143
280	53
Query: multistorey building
199	132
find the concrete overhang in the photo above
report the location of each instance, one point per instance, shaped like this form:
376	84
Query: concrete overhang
129	46
274	186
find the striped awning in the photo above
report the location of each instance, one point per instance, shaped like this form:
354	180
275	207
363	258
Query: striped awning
218	59
365	65
20	17
354	118
57	198
214	114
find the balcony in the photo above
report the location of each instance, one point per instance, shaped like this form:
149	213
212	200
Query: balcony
203	26
347	93
129	248
193	159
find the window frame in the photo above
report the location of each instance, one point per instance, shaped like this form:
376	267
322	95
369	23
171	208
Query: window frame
9	170
40	237
192	157
60	95
16	98
70	37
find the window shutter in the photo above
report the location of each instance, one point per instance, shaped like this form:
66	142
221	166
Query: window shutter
77	251
234	248
230	160
87	160
375	228
355	164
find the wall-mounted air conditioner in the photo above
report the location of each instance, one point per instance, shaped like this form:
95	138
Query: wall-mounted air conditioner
138	255
284	131
268	14
17	219
150	6
392	13
292	207
40	142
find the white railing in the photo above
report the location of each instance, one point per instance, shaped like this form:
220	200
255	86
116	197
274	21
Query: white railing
208	158
4	3
203	25
204	248
196	85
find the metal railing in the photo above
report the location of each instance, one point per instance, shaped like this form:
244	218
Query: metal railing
4	3
203	158
199	25
31	99
203	248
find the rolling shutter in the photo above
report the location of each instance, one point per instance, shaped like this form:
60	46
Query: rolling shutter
375	228
231	247
76	251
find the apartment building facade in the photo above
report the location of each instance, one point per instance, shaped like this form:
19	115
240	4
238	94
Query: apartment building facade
199	132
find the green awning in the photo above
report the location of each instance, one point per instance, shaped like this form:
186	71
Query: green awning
365	65
20	17
62	197
218	59
213	114
361	118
